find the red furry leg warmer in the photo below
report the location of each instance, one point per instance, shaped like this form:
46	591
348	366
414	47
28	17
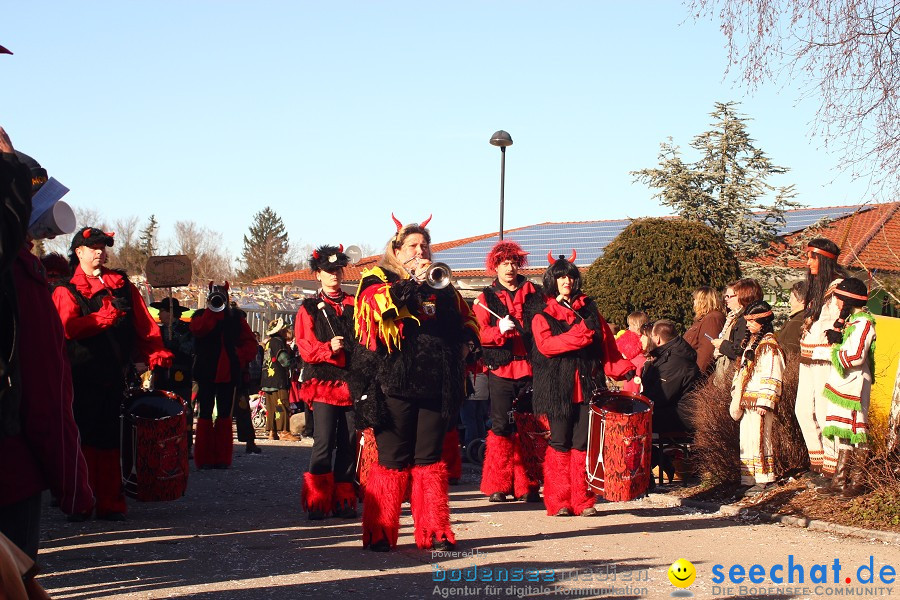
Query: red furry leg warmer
526	467
204	444
381	507
557	481
318	491
224	441
451	455
430	504
497	472
345	495
582	495
105	476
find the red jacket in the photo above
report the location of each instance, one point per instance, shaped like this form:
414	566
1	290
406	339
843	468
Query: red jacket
579	336
47	453
491	336
148	340
245	348
313	351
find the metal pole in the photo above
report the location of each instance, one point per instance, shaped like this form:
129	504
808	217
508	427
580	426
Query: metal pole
502	182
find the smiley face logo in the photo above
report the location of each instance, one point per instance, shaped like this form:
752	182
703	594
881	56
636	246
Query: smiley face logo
682	573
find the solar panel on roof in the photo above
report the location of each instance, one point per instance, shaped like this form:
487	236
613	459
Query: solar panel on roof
589	238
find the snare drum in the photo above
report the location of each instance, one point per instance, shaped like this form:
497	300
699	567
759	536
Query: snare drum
619	442
154	445
533	431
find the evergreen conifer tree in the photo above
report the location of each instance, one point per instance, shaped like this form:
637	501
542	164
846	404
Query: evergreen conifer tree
266	248
726	185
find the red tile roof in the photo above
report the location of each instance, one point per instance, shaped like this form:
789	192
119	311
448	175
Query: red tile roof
869	239
352	272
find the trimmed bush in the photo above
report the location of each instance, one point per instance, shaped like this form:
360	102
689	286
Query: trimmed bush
654	265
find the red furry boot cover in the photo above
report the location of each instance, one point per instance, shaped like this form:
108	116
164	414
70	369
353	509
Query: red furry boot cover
224	437
317	492
497	472
344	497
430	504
451	455
204	444
582	495
526	468
557	482
381	505
105	476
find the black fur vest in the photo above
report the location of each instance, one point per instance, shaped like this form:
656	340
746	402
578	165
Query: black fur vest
343	326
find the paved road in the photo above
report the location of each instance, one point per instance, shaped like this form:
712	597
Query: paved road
239	534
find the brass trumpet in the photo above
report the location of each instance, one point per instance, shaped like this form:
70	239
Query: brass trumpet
437	276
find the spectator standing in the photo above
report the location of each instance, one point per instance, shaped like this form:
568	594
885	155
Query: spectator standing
709	319
738	296
789	334
276	381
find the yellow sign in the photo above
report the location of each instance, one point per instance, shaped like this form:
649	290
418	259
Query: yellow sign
887	352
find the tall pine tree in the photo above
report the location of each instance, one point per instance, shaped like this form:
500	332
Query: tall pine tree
147	240
726	185
266	247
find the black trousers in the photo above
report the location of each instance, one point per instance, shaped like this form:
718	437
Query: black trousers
21	523
503	391
566	434
335	433
97	407
219	394
415	435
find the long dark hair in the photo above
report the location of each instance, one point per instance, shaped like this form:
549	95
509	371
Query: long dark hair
560	268
757	308
817	285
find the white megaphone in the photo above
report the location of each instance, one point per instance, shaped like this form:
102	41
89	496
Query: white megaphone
59	219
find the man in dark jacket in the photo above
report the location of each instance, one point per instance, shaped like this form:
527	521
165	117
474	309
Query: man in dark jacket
276	382
789	335
669	374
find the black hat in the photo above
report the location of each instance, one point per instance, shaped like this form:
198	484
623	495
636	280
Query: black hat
4	50
328	258
38	173
852	291
89	236
169	304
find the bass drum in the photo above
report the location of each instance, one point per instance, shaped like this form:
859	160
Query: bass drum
620	439
154	445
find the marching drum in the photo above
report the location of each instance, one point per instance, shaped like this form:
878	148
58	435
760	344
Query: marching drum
533	431
620	438
154	445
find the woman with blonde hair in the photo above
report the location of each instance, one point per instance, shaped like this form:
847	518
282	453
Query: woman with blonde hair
709	319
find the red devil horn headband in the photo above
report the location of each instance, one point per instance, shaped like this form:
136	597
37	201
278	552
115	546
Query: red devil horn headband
340	247
399	225
552	260
424	223
316	254
397	222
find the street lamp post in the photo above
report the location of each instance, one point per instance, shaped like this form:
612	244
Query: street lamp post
501	139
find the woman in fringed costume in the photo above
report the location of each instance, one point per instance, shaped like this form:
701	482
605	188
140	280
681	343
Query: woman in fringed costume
848	388
325	341
410	376
573	347
823	276
754	393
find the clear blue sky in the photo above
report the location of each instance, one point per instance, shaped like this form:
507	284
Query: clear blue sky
337	113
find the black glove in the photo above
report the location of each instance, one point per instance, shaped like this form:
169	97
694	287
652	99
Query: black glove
629	375
405	293
834	336
121	304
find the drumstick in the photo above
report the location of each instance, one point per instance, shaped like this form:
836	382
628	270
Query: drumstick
321	306
480	305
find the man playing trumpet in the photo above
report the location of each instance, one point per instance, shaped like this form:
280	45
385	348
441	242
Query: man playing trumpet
324	335
413	338
506	356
